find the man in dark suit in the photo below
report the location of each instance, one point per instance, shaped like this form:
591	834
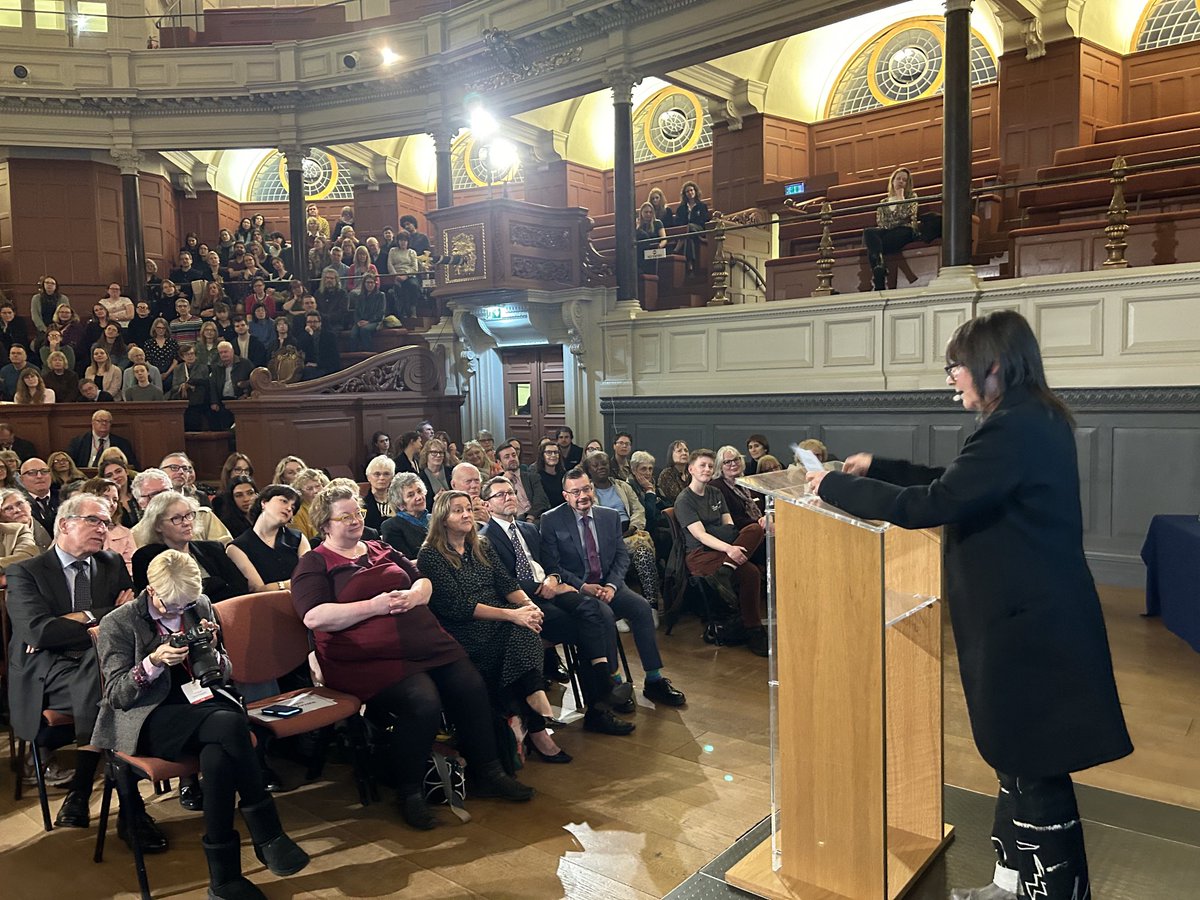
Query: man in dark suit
583	542
52	600
568	616
35	478
228	379
319	347
86	448
246	345
9	441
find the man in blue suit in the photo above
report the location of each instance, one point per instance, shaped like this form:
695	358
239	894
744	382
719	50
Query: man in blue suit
568	616
582	541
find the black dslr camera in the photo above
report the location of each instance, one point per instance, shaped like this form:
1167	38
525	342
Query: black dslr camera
205	665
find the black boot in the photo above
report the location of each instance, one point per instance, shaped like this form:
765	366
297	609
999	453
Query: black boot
880	276
413	808
225	879
493	781
274	849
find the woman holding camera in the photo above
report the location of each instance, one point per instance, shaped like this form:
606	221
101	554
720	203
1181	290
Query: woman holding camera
151	707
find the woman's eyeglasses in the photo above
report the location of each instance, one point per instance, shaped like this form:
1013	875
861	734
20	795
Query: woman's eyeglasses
182	518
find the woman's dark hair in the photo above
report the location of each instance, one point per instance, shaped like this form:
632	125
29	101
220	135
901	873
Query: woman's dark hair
272	491
375	438
407	438
762	440
540	463
1003	339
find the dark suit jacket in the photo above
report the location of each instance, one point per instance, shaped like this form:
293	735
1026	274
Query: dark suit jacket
503	545
23	448
222	579
562	546
323	351
1032	647
241	379
256	354
38	598
80	449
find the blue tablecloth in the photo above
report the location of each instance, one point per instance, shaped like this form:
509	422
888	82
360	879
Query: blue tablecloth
1172	557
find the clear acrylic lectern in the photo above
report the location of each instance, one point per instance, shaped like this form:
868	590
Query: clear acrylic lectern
856	702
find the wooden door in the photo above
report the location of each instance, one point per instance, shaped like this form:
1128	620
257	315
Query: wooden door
534	395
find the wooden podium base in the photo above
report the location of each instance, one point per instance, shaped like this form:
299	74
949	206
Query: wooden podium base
908	856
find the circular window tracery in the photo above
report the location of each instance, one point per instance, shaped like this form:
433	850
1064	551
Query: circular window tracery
324	178
1169	22
670	121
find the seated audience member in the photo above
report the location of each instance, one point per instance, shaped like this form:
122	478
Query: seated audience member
106	374
287	469
137	357
35	480
321	222
138	330
370	306
531	498
674	478
93	330
170	521
62	470
185	325
619	496
549	470
757	447
592	446
228	380
895	221
72	329
483	607
119	538
570	453
692	212
149	483
90	393
406	289
376	638
434	470
584	544
319	346
165	306
53	343
344	222
379	445
120	309
569	616
641	479
61	380
15	509
16	544
236	502
268	553
425	427
467	479
190	382
475	454
715	547
235	464
658	202
409	457
9	441
87	448
18	362
309	482
817	448
12	329
10	466
142	389
206	343
31	390
145	711
128	512
261	325
377	502
360	266
650	234
418	242
406	529
619	460
741	504
45	302
52	600
246	345
332	301
768	463
186	274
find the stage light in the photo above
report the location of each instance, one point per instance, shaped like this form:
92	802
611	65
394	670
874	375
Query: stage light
20	71
389	56
350	61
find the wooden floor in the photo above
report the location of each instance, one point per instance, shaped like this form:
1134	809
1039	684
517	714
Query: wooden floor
630	818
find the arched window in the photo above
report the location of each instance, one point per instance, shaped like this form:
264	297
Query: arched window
670	121
475	163
325	178
906	62
1168	22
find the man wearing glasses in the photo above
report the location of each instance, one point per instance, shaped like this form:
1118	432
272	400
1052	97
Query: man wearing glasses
86	449
52	600
35	478
583	542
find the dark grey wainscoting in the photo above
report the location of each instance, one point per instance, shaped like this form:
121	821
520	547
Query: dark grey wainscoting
1139	448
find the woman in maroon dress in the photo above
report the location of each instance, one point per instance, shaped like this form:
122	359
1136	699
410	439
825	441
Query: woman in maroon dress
368	608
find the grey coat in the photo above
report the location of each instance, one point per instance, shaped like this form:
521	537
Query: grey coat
127	636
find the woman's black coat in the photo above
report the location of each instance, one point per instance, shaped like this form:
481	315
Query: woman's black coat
1032	646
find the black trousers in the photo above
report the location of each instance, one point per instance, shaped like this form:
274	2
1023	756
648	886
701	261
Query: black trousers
1037	832
411	712
881	241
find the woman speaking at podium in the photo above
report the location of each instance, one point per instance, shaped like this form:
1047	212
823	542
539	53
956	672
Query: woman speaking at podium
1032	647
